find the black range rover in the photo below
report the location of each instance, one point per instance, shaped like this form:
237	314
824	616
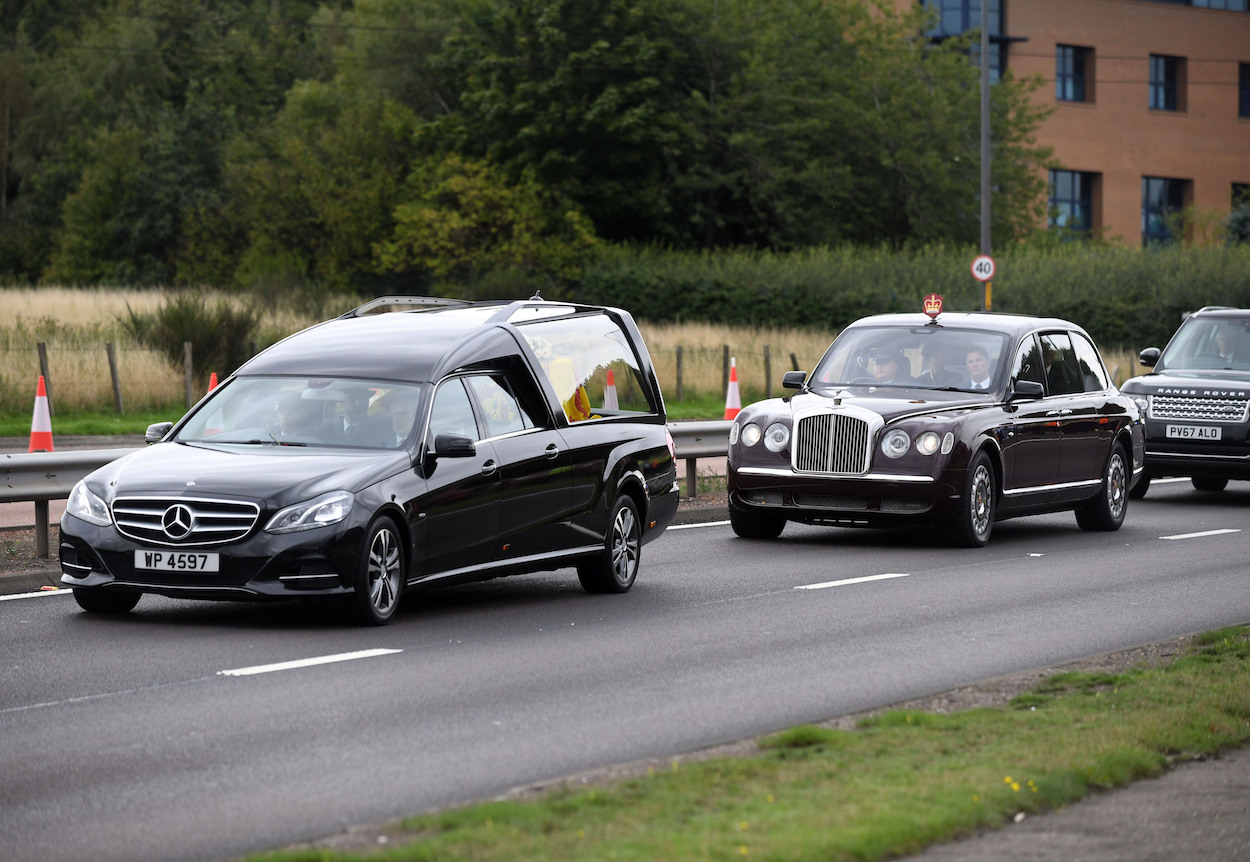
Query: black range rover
378	452
1195	400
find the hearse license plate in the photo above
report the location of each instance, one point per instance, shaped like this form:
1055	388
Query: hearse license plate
1194	432
176	561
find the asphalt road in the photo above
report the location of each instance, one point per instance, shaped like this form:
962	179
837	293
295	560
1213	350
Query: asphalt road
171	734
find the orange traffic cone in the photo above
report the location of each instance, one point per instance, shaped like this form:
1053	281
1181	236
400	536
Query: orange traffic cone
212	381
41	422
609	393
733	401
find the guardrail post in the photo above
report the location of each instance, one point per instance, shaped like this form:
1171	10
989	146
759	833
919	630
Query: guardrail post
692	477
41	529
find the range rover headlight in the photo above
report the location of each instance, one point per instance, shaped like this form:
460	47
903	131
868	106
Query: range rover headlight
776	437
85	504
750	434
895	443
1142	402
321	512
928	443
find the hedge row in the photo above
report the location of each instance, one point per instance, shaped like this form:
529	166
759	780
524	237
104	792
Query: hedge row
1125	297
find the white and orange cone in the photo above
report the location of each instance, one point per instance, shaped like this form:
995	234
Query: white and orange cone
212	381
733	401
609	393
41	422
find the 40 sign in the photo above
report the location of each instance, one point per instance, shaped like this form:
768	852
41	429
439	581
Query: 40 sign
983	268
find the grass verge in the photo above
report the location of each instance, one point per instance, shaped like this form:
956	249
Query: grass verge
92	423
899	782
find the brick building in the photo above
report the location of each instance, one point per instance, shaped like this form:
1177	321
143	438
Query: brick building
1151	98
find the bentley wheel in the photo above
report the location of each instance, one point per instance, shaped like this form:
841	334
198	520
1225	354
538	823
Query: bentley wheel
755	525
1205	483
96	600
614	569
1106	511
971	528
379	580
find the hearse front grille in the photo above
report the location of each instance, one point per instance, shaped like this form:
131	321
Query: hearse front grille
184	520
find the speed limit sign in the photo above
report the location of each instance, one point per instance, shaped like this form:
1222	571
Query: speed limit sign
983	268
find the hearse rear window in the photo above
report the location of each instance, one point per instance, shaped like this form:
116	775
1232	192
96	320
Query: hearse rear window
591	366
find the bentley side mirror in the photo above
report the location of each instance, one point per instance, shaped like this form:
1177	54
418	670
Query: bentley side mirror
793	379
1027	389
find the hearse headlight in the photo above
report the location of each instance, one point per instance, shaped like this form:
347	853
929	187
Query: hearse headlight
85	504
750	434
321	512
777	437
895	443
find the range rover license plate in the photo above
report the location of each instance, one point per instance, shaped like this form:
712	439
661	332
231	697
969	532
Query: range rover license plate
177	561
1194	432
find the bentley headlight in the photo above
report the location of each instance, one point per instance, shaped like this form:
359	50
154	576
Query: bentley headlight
323	511
750	434
895	444
733	434
85	504
928	443
777	437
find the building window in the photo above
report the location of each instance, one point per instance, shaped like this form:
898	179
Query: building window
1243	90
1228	5
1161	203
1241	195
956	17
1164	83
1070	73
1072	202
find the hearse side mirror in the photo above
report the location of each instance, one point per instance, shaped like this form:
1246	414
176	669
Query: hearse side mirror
793	379
453	446
156	432
1027	389
1149	357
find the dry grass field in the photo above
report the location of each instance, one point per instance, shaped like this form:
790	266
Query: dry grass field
76	325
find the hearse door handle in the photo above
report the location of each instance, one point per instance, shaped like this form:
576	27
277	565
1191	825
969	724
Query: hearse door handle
552	451
488	468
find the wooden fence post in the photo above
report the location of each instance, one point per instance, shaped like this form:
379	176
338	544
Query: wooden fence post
111	349
679	398
47	376
186	364
724	384
768	373
794	360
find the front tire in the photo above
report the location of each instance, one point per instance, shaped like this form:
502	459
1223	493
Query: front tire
96	600
616	567
971	528
1106	511
749	524
380	575
1205	483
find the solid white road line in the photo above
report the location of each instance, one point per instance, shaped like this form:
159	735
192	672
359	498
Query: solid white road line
34	595
1200	535
306	662
689	526
854	581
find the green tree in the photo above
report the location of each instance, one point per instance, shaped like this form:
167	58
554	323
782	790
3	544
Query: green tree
462	218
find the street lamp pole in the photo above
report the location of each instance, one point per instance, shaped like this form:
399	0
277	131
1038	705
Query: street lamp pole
985	144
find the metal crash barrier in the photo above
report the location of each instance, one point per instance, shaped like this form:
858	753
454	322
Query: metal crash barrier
695	440
44	476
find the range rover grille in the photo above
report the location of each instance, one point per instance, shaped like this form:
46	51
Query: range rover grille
183	520
1203	409
831	443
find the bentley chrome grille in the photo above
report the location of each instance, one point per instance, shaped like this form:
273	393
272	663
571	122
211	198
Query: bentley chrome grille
1203	409
184	520
831	443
